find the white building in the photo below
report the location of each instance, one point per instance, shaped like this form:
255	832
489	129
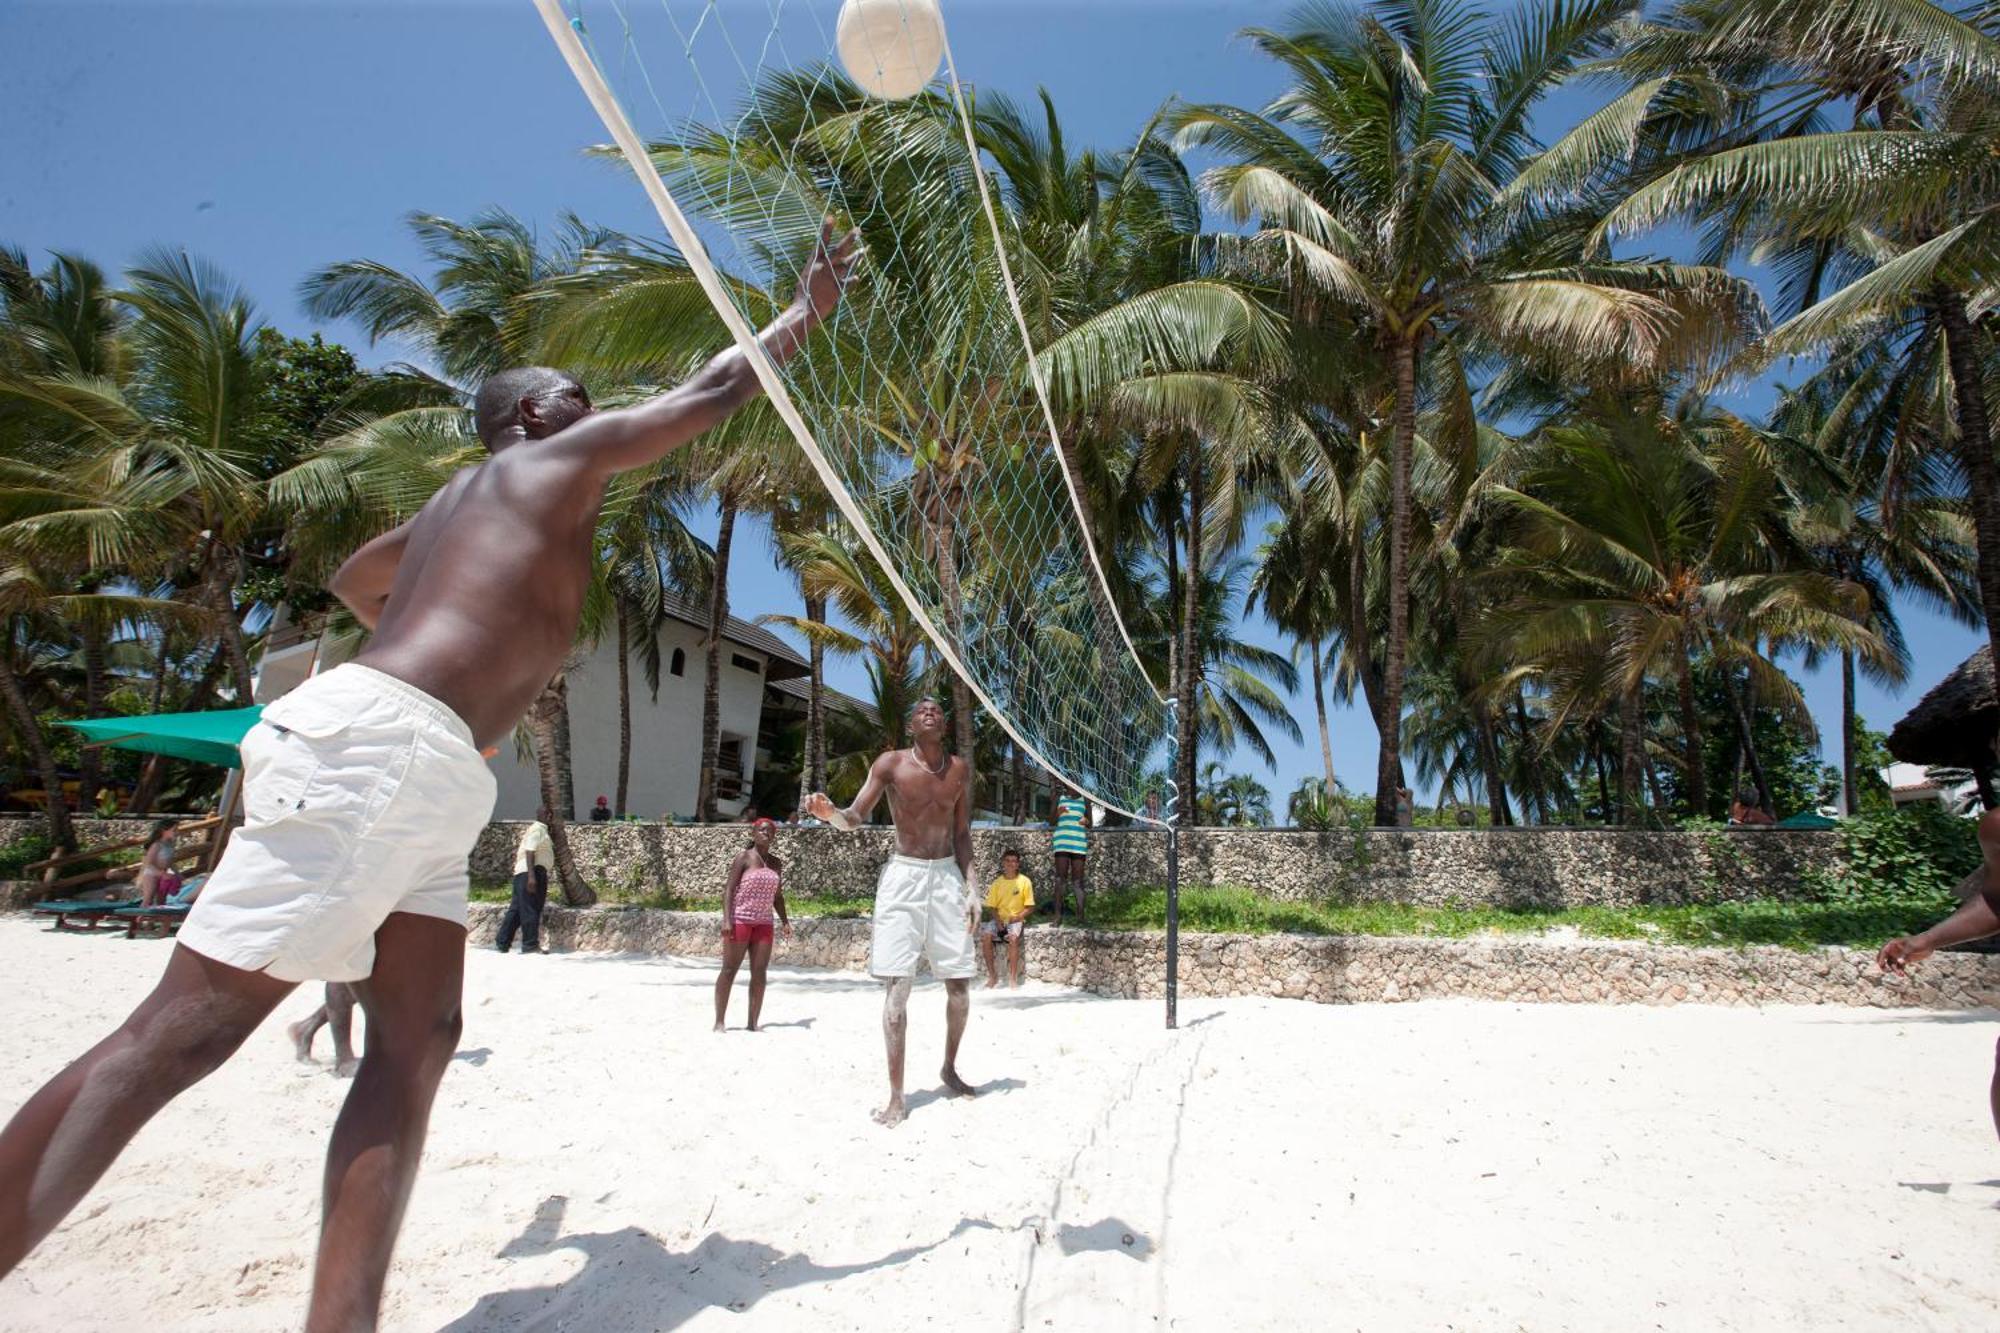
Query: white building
1910	783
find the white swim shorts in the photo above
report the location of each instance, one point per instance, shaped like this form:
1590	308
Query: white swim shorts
920	912
362	796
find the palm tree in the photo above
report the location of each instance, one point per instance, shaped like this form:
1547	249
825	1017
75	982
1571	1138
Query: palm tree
1643	542
1297	591
1316	805
805	511
1899	213
834	570
1380	182
1869	506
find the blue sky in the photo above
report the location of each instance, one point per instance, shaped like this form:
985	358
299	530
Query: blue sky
274	136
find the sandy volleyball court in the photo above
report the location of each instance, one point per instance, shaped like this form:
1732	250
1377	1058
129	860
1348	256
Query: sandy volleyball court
600	1161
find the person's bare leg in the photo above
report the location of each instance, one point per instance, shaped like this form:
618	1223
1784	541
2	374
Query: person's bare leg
61	1141
412	1006
725	980
986	948
1994	1095
957	1003
895	1035
303	1032
1082	903
339	1011
1014	961
760	960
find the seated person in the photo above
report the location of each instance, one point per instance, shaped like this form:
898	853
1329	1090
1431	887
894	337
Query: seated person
1747	810
1009	898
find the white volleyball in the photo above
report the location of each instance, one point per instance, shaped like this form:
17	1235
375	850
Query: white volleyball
890	47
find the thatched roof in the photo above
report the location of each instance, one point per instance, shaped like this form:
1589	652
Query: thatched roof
1955	723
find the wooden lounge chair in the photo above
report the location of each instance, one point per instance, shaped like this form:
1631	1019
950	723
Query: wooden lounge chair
83	913
138	920
166	917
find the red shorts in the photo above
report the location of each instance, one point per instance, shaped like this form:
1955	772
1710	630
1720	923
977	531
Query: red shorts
746	932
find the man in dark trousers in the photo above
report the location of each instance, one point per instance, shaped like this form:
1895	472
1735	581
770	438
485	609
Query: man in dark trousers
364	791
533	859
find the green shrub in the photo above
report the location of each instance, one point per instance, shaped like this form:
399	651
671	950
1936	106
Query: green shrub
1913	857
21	853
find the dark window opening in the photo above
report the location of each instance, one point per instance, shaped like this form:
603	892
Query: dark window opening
747	663
678	665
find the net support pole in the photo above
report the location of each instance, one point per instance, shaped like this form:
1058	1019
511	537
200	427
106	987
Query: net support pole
1173	818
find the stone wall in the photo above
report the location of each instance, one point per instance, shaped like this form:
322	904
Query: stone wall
89	832
1550	868
1350	969
1489	867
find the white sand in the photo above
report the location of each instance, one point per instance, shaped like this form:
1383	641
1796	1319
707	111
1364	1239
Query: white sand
600	1161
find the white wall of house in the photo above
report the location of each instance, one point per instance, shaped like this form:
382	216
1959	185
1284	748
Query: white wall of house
666	736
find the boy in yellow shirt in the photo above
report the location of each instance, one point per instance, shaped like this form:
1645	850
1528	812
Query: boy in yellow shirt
1009	898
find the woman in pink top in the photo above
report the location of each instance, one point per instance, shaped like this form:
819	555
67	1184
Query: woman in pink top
754	892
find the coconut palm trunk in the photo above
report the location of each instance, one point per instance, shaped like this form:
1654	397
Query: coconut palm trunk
1746	737
1631	753
1604	808
1489	758
1319	706
1389	718
812	770
1694	758
542	729
1850	792
624	715
1110	652
1965	349
1187	728
62	834
961	694
565	766
219	578
711	690
90	764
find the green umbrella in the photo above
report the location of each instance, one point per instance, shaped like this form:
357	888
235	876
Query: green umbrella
206	738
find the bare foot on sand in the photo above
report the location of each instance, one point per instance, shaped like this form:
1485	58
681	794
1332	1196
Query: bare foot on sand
954	1086
302	1036
891	1115
346	1068
991	982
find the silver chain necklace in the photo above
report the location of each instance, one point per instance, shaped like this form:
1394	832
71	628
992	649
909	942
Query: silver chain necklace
937	772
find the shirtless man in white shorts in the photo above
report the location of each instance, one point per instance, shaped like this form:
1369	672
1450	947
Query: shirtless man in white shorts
923	908
364	790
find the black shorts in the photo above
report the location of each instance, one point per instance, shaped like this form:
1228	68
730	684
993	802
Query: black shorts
1064	860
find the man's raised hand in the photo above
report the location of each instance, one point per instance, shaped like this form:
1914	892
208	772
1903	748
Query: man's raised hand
825	276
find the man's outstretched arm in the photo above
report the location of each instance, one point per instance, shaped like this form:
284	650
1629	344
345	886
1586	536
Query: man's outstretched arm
630	437
1977	919
821	806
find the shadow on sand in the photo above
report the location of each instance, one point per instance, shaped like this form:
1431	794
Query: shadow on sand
925	1096
630	1280
1113	1235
